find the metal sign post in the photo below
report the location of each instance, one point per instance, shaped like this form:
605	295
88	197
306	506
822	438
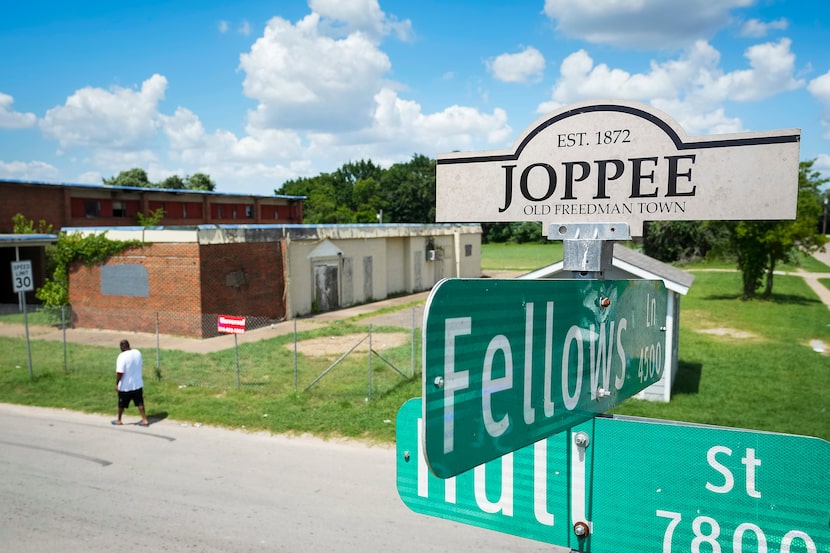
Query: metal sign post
22	282
229	324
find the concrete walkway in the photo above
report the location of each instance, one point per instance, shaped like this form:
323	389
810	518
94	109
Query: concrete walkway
141	340
145	340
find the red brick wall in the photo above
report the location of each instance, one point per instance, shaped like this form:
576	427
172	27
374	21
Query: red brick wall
35	203
189	285
243	279
175	295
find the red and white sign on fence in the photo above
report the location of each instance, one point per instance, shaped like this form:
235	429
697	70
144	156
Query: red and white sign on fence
231	325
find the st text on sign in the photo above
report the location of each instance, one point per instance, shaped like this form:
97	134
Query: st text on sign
231	325
636	485
621	162
509	362
670	487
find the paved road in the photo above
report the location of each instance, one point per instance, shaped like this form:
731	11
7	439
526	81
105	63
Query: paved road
71	482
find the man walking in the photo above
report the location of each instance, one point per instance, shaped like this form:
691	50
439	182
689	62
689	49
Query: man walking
129	382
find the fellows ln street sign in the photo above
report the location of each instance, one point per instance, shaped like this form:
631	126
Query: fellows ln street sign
632	485
621	162
509	362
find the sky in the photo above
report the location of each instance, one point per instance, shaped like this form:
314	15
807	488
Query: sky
255	93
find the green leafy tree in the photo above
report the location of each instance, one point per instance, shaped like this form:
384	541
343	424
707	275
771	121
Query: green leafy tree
682	241
760	246
348	195
199	181
173	182
151	220
409	190
135	177
22	225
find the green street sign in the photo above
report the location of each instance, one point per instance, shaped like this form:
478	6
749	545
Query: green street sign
631	485
509	362
669	487
524	493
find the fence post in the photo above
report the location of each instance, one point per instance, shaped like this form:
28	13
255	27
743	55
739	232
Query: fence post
412	363
158	348
63	326
369	397
236	348
295	354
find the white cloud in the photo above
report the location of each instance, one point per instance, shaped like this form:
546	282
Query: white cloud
770	73
642	23
323	98
10	119
244	28
820	89
756	28
115	118
363	16
29	170
455	127
223	26
525	66
303	79
692	87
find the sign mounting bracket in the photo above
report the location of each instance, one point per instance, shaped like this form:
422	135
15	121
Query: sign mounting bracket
588	247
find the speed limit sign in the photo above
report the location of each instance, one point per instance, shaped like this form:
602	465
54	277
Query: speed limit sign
22	276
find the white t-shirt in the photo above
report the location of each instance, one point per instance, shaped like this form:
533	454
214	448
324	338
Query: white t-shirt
129	364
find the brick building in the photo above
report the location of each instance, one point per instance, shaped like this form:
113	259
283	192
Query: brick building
90	205
87	205
182	278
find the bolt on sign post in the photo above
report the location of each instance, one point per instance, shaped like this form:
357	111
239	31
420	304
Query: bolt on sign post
624	484
621	162
228	324
509	362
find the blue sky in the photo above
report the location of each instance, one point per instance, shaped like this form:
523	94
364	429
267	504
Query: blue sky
255	93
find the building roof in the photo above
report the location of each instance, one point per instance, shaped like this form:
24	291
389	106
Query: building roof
27	240
141	189
634	263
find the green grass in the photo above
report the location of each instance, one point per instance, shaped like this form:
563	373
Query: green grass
771	379
519	257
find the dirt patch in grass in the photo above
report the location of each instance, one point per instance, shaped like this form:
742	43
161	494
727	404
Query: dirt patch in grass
729	333
328	346
819	347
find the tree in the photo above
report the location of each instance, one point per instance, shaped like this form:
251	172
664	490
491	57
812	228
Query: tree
409	190
199	181
22	225
348	195
173	182
135	177
760	245
681	241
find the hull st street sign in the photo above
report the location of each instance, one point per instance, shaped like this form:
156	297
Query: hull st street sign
621	162
509	362
636	485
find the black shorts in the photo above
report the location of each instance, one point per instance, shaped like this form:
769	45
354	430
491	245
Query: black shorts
136	396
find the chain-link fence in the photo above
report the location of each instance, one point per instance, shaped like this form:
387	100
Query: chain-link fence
349	360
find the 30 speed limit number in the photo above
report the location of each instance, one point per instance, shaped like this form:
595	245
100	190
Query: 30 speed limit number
22	276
